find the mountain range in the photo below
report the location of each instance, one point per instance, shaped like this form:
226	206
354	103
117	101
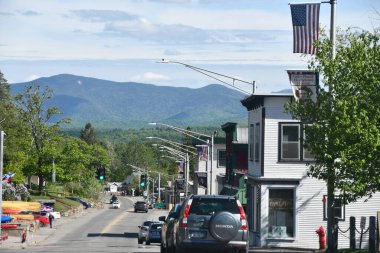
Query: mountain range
108	104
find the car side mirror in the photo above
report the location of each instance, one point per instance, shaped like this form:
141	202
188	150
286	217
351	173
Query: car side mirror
162	218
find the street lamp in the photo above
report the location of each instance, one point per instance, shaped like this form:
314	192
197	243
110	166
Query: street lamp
196	136
185	157
212	74
174	143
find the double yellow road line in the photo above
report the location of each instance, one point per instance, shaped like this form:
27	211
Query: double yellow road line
116	220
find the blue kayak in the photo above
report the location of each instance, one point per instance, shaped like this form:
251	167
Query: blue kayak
6	219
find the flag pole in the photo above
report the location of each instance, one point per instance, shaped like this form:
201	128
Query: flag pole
331	240
332	27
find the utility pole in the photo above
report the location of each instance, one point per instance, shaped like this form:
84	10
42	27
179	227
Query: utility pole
1	176
159	186
187	174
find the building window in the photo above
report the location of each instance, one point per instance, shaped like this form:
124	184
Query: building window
339	208
257	142
251	141
221	158
281	213
291	144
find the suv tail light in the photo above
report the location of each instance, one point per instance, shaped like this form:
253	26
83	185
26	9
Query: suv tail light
186	213
242	216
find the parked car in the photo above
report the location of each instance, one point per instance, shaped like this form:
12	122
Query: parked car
154	233
211	223
56	215
141	206
143	230
167	228
83	202
42	220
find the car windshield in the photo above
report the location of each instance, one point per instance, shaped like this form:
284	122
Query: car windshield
210	206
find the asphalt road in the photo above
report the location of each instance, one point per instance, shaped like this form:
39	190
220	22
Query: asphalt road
105	230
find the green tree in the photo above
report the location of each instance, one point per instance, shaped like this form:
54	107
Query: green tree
15	140
134	153
88	134
41	126
344	125
4	88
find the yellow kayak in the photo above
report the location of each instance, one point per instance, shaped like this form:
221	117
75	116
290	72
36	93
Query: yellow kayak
22	205
22	216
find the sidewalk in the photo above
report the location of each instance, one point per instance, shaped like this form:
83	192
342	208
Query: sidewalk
41	234
44	233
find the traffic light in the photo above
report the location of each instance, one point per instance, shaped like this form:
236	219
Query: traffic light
143	180
101	173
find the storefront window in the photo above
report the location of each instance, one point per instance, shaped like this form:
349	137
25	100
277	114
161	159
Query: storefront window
281	213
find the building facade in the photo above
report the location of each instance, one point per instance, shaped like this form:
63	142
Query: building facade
234	182
210	173
285	206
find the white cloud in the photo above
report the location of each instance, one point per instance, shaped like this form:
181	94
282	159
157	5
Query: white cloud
150	77
103	15
31	78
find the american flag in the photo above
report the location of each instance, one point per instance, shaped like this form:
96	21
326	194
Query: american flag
202	151
305	19
8	176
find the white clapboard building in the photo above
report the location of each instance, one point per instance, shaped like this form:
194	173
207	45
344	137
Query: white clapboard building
285	206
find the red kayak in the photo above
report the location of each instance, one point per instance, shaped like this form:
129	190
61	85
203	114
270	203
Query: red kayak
8	226
10	211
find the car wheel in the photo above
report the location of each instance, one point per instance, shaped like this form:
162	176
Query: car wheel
223	226
135	211
238	250
180	250
147	242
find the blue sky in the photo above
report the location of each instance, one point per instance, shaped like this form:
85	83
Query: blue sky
122	40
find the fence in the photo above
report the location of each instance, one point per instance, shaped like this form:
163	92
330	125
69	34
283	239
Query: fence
372	230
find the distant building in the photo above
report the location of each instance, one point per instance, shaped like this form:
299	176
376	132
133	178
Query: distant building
236	157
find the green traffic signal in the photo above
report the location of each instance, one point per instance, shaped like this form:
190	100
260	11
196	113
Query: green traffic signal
101	177
142	180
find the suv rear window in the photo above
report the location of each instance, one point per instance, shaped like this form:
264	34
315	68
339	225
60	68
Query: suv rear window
155	226
205	206
147	223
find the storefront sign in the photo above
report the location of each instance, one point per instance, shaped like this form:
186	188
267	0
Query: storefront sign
304	84
280	203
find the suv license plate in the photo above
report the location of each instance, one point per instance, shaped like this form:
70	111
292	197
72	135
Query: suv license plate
197	234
